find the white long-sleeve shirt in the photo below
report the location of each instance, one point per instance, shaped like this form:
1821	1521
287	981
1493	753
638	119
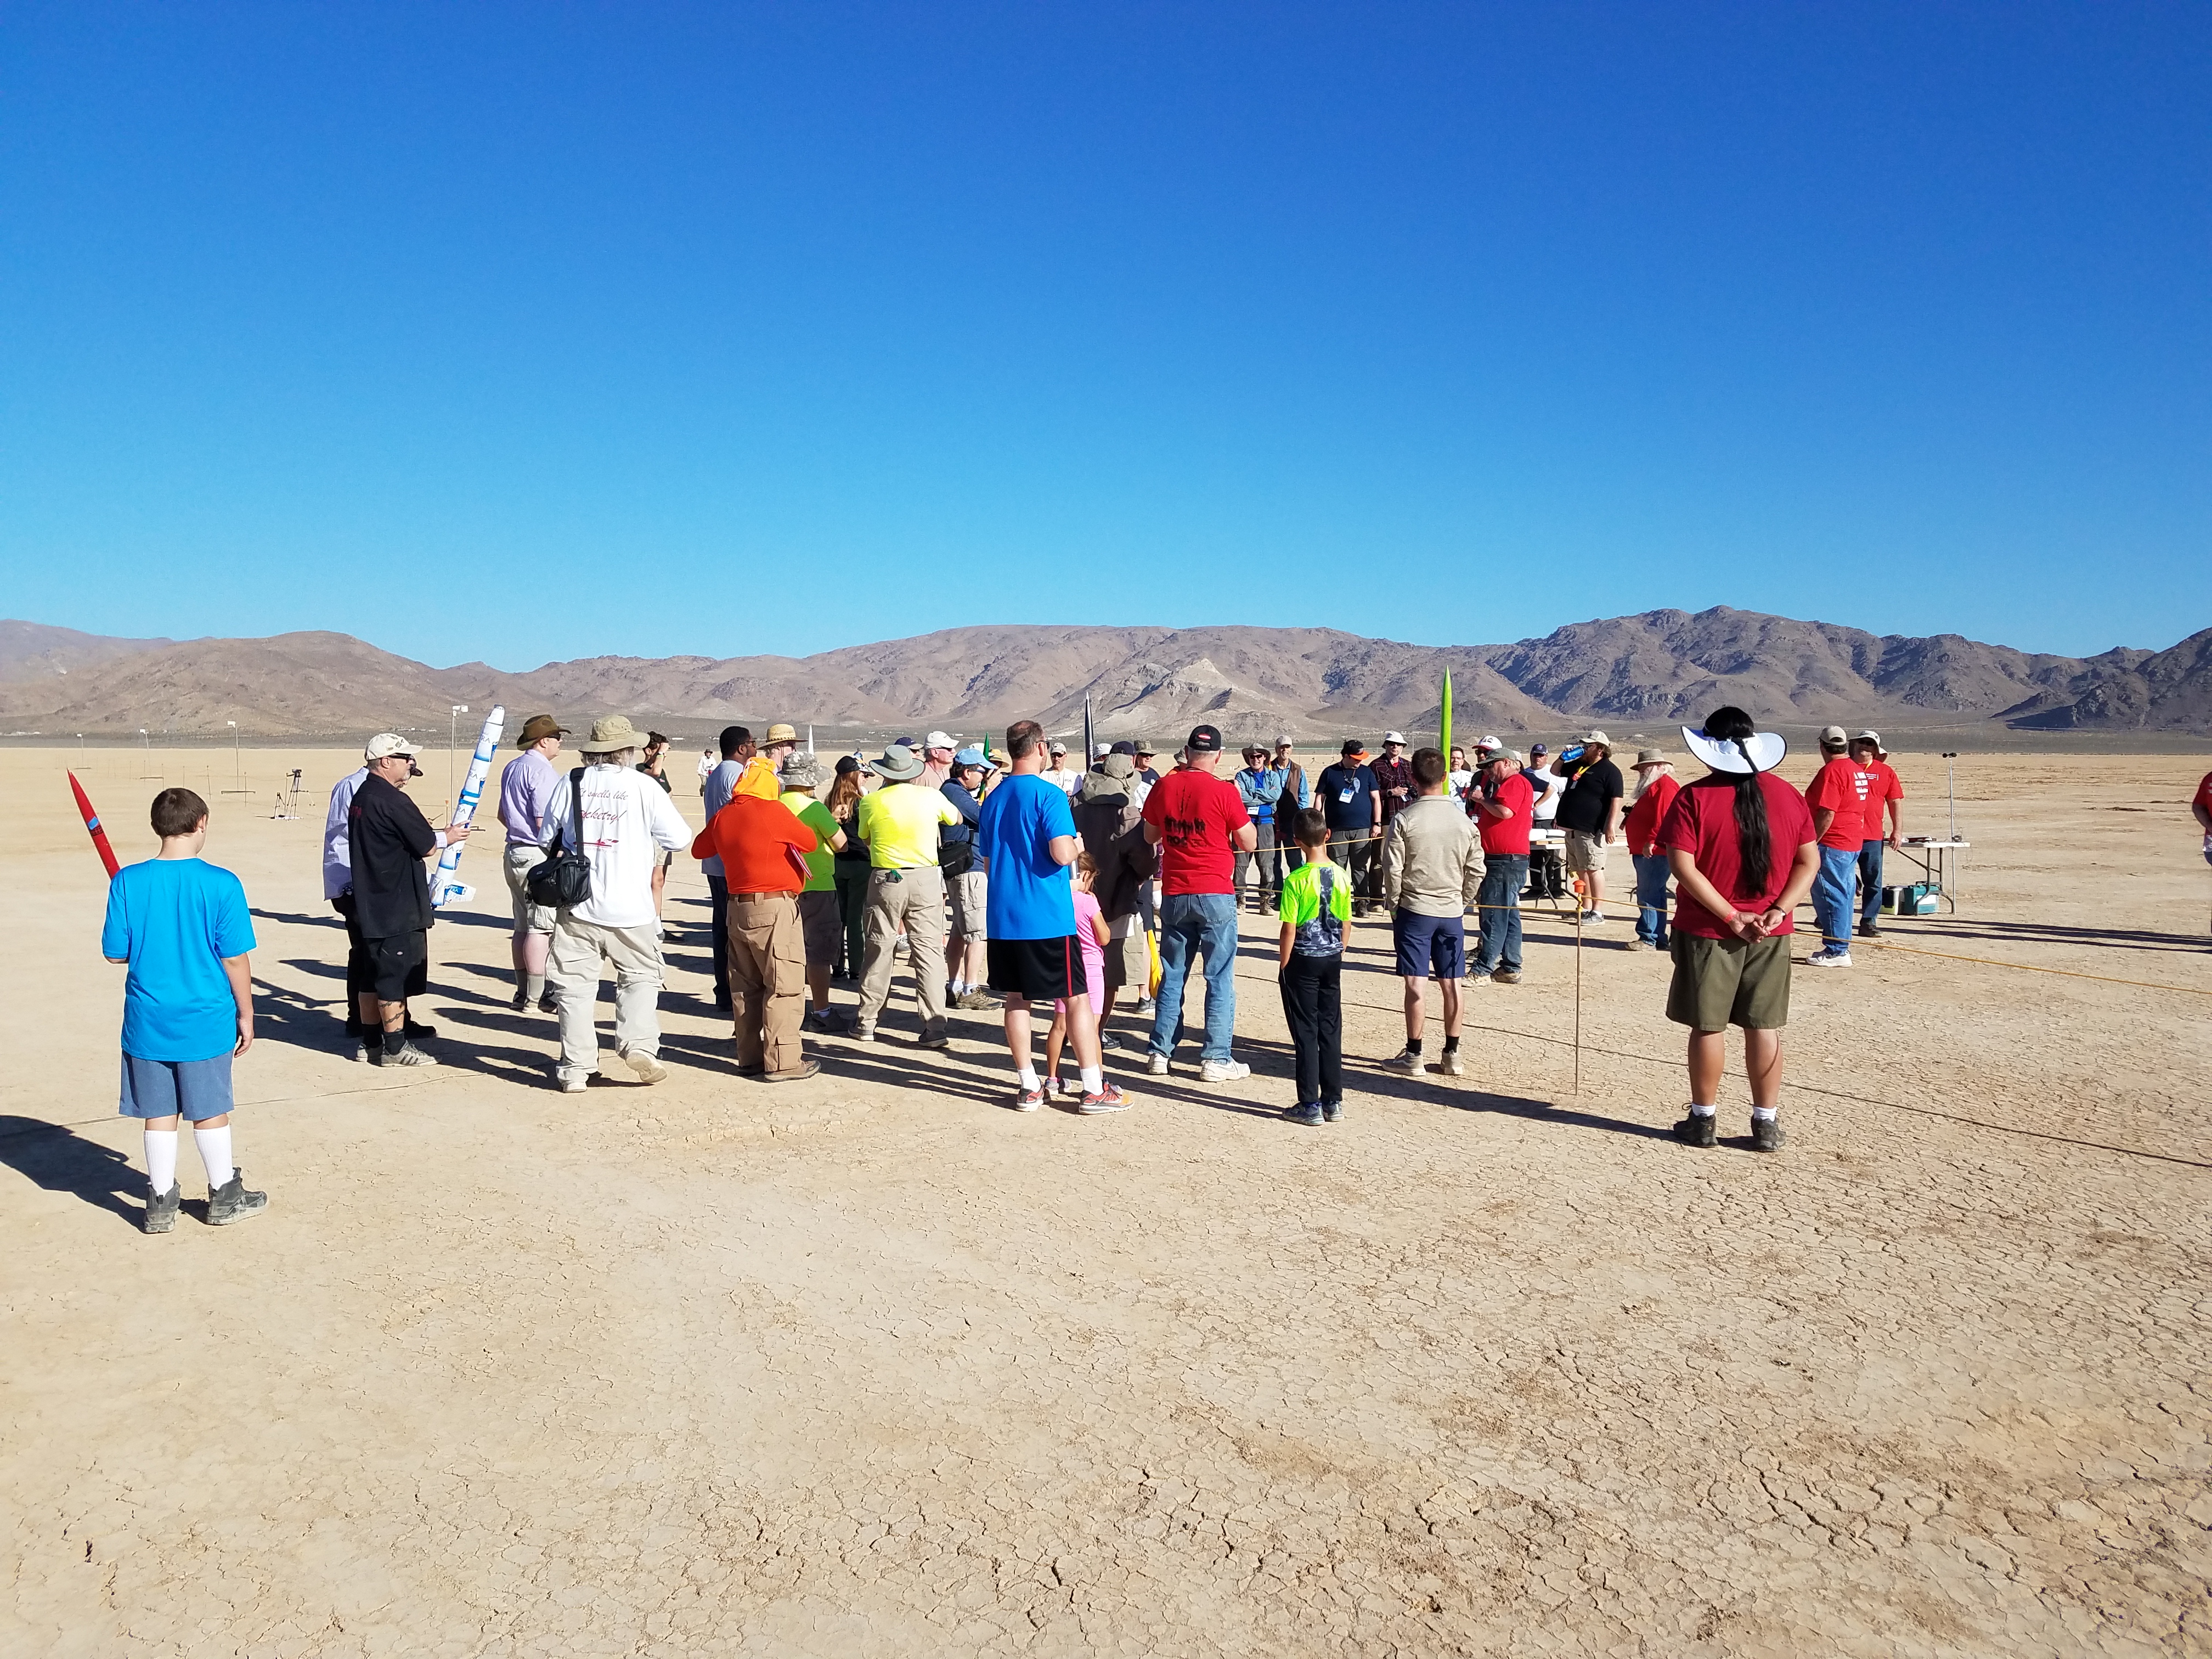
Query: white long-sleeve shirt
338	846
628	818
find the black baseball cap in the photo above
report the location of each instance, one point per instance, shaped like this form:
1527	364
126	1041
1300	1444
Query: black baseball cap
1205	739
1124	747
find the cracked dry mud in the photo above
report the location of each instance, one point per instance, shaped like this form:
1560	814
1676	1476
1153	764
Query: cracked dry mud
870	1365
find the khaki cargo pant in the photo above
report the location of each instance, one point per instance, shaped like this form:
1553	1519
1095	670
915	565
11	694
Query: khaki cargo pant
574	966
767	979
914	899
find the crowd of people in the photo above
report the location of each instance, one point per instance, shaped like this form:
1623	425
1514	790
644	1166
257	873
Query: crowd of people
1012	881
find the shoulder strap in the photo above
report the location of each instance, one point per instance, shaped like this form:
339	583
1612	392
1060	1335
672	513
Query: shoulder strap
576	812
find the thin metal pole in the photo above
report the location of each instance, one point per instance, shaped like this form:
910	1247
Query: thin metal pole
1578	988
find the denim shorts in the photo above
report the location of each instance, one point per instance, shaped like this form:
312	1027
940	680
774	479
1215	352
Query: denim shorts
199	1088
1427	945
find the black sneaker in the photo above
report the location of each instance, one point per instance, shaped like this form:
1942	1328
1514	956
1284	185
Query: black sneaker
520	1003
1311	1114
1869	932
1332	1111
161	1209
232	1202
1767	1134
1696	1129
549	1003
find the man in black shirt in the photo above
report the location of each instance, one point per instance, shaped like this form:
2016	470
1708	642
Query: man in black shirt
389	839
1589	814
1346	795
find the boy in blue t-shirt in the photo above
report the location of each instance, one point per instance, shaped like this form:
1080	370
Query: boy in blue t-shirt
183	927
1316	905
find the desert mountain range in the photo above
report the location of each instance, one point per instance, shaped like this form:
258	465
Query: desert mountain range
1650	669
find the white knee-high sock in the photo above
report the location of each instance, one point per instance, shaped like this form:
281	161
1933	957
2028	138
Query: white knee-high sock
215	1153
161	1161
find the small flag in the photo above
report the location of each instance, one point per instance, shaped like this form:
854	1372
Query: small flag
1447	721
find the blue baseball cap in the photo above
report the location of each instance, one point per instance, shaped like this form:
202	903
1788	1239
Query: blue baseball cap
972	755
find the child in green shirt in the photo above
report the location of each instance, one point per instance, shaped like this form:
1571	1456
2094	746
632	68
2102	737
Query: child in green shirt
1309	960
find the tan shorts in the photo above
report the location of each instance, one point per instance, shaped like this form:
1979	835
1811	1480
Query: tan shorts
1730	981
970	895
529	918
822	926
1585	852
1130	958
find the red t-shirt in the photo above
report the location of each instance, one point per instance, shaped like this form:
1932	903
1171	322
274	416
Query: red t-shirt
760	843
1889	789
2203	793
1507	837
1702	823
1642	827
1195	813
1847	789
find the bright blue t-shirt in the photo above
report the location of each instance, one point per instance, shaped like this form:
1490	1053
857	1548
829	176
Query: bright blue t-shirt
1030	897
175	920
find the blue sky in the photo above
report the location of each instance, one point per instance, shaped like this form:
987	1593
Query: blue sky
537	331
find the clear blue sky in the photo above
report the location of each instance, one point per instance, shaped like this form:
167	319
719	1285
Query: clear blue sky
534	332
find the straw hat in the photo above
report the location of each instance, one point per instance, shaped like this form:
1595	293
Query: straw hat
781	732
612	733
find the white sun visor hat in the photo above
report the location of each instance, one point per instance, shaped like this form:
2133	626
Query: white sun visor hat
1762	753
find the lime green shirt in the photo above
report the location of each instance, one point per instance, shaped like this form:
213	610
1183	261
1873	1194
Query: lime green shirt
1317	901
816	816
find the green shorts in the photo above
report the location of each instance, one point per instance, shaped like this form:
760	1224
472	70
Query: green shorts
1730	981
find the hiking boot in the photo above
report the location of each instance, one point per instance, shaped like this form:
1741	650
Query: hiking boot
1223	1071
1767	1134
409	1055
232	1202
1309	1114
974	999
1108	1099
647	1067
1155	1065
822	1022
1505	976
161	1209
1332	1111
805	1068
1451	1065
1406	1060
1696	1129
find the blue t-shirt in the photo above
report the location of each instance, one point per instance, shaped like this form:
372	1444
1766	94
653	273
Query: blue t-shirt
1030	897
175	920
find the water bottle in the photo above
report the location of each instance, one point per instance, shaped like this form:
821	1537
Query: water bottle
1571	753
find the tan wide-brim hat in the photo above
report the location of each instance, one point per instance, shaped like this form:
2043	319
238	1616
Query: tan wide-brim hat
1651	757
780	732
614	732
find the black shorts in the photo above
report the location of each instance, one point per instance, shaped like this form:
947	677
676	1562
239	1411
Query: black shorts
1042	970
400	965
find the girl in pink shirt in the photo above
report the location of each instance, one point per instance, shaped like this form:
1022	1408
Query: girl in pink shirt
1092	934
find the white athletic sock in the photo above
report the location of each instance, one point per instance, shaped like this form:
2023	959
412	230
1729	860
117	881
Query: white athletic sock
1029	1078
958	988
1094	1080
533	987
160	1160
1697	1110
215	1152
1764	1114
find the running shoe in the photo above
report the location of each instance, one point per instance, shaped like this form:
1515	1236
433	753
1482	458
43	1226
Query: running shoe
1108	1099
1309	1114
1332	1111
1451	1065
232	1202
1406	1059
1155	1065
1027	1100
647	1067
1223	1071
409	1055
161	1209
1829	958
805	1068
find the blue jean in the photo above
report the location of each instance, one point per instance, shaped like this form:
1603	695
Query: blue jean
1832	896
1499	899
1204	923
1871	883
1651	872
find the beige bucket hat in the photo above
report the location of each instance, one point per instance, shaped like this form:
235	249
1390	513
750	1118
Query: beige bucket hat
614	732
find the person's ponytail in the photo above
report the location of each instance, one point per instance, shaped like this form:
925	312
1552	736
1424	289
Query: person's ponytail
1754	841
